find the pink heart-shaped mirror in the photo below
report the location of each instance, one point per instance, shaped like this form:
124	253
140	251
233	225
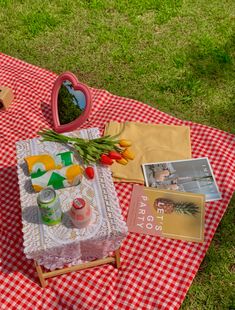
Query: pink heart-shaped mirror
70	103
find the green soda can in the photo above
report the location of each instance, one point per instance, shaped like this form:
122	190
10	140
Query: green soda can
49	205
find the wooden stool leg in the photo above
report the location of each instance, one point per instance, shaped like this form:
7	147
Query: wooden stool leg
117	257
40	274
45	275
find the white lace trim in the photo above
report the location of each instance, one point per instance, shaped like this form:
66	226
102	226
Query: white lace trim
56	246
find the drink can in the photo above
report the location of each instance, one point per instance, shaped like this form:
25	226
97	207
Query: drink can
49	205
80	213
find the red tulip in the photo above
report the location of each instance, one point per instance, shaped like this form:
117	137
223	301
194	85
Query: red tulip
115	155
90	172
105	160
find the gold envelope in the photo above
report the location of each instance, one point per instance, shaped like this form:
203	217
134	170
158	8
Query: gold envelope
150	143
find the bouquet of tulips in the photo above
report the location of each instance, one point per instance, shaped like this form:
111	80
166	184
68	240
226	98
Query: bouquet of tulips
104	150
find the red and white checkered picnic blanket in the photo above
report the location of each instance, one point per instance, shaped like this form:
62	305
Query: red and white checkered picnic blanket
155	272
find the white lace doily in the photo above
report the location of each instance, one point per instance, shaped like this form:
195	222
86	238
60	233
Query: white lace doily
63	244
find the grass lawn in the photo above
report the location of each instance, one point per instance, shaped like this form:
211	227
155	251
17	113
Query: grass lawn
178	56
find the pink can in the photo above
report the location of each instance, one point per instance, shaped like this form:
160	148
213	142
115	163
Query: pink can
80	213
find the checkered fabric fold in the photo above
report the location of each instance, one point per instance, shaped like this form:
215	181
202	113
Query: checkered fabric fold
155	272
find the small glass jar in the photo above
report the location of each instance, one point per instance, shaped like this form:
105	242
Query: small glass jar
80	213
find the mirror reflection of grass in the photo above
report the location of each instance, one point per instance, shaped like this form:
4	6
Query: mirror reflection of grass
68	110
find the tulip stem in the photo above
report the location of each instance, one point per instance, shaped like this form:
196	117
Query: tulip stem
90	151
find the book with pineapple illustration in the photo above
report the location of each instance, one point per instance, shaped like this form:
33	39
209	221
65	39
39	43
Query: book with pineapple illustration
167	213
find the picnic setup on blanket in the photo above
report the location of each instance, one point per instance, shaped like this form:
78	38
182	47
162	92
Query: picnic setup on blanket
112	209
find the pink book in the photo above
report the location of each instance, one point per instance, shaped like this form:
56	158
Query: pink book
167	213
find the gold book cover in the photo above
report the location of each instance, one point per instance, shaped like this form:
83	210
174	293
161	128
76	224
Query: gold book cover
167	213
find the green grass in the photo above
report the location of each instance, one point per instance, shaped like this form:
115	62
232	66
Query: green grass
178	56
